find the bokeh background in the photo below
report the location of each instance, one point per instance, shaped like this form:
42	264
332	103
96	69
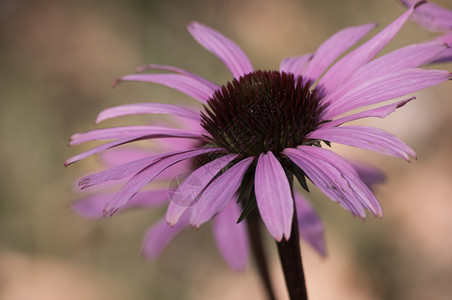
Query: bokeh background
57	62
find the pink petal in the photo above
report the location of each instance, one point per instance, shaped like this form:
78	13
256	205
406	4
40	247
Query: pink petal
309	224
408	57
379	112
101	148
122	171
93	206
445	56
188	191
369	138
159	236
147	174
431	16
333	47
182	83
180	71
146	108
335	178
348	65
133	131
119	156
273	196
363	193
232	56
385	87
217	195
295	65
231	237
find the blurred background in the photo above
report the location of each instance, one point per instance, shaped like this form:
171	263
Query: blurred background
57	62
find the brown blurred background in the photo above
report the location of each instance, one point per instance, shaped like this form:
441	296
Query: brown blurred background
57	62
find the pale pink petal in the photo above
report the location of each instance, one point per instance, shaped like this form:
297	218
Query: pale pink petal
445	56
309	224
232	56
379	112
369	138
231	237
431	16
159	236
336	178
101	148
122	171
189	190
362	192
408	57
93	206
385	87
347	66
182	83
369	175
295	65
147	174
178	70
217	195
333	47
146	108
119	156
273	196
133	131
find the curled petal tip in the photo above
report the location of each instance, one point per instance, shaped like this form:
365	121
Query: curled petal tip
141	68
116	82
419	4
192	24
402	103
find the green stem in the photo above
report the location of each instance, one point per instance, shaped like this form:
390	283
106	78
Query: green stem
257	248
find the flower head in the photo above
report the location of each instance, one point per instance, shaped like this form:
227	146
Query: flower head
263	128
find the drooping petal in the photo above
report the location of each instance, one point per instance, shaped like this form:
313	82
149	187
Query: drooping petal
309	224
431	16
93	206
346	67
385	87
231	237
370	175
333	47
133	131
217	195
188	191
232	56
369	138
364	194
379	112
159	236
177	70
295	65
182	83
273	196
336	178
146	108
146	175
